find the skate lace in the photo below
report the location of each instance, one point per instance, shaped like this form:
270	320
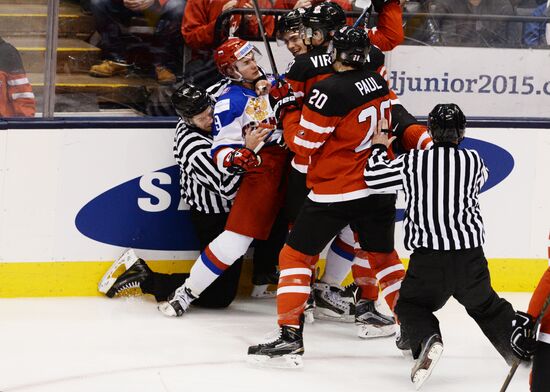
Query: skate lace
335	298
183	297
272	337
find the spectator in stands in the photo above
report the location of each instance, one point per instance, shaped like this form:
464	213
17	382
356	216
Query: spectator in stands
200	18
164	15
293	4
16	96
538	34
476	32
197	28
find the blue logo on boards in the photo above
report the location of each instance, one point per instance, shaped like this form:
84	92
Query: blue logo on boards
147	212
143	213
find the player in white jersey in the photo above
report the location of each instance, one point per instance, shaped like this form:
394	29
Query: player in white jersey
239	112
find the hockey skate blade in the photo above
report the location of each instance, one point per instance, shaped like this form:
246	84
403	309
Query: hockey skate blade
327	314
421	375
367	331
261	291
309	318
166	309
290	361
128	258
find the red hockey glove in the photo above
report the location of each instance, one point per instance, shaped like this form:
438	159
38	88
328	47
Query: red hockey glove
282	98
523	339
240	160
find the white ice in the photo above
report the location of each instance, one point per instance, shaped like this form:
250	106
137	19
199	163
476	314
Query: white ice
103	345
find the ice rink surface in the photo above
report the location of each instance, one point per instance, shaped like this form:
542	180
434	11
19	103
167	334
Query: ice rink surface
125	344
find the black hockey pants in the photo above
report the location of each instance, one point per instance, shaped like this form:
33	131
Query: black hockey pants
433	277
223	290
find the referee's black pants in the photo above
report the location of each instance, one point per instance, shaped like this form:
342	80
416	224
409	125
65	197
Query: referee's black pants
433	277
224	289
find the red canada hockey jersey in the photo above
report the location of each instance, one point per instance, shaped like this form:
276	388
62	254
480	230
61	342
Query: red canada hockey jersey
335	128
539	296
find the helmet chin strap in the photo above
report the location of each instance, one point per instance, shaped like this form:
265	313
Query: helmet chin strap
241	79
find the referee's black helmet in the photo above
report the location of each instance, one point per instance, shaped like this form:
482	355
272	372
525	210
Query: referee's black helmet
447	123
190	100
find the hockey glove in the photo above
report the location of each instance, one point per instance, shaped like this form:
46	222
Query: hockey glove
523	339
282	98
241	160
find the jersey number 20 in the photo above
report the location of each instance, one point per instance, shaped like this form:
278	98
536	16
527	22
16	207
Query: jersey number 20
371	113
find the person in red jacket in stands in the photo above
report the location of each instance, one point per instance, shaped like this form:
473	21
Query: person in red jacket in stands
164	15
388	32
16	96
293	4
199	20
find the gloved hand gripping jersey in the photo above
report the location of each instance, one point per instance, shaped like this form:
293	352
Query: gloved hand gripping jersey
240	160
282	98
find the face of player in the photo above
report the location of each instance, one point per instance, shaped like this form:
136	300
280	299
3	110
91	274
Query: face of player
204	119
294	43
318	38
247	67
474	3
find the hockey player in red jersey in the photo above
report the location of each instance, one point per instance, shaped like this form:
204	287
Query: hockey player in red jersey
524	339
239	110
334	128
331	302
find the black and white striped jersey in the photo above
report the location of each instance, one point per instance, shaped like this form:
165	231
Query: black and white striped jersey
202	185
218	88
441	188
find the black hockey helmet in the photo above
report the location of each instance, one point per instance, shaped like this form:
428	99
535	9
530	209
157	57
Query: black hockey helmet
190	100
292	21
447	123
350	45
326	17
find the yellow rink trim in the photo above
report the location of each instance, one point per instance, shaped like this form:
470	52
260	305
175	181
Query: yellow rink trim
62	279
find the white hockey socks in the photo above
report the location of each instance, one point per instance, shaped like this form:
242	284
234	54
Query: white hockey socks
339	258
219	255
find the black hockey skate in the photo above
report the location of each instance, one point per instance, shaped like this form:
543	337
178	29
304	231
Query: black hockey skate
402	340
177	303
283	352
261	283
370	322
309	310
432	348
333	303
136	273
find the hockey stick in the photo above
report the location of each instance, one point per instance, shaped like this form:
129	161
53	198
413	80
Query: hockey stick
518	361
264	38
366	5
271	62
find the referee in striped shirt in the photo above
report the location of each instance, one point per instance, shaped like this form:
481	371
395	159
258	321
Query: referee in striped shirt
444	229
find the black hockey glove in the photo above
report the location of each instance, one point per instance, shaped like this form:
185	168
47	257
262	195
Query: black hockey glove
379	4
240	160
523	339
282	98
